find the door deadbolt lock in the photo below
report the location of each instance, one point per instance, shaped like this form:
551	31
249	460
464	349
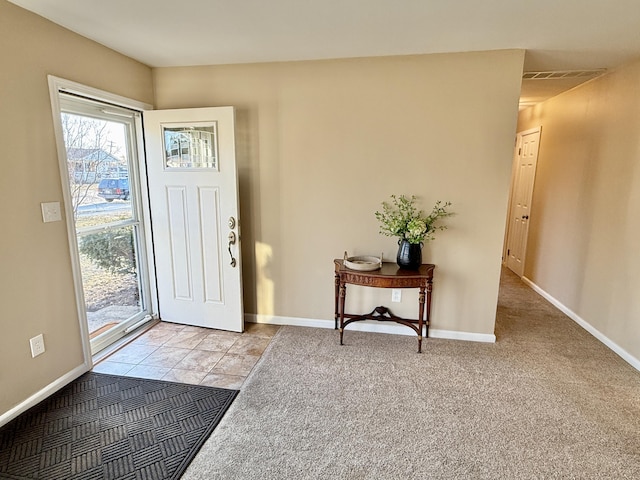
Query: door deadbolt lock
525	217
232	222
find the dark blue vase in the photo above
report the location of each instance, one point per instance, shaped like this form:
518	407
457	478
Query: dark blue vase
409	255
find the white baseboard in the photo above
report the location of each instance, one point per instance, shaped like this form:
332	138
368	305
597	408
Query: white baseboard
465	336
626	356
368	326
39	396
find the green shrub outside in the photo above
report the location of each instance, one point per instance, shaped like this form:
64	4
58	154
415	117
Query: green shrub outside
113	250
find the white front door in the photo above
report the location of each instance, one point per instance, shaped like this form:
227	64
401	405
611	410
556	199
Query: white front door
521	196
193	191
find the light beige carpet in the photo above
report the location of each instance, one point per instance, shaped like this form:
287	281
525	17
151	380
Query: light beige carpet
546	401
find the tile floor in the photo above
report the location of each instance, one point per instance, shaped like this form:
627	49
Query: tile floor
181	353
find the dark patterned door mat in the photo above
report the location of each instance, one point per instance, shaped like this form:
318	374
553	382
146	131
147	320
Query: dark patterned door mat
104	427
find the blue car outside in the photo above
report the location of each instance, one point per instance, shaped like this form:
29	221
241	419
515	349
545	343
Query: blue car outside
114	189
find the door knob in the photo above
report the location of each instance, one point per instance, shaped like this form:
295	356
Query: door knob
525	217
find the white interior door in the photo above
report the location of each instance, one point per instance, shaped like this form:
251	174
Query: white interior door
193	191
521	196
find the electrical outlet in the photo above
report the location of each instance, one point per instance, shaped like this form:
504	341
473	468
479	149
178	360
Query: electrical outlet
396	295
37	345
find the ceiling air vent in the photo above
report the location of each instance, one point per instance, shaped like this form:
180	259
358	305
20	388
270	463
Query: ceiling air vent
557	74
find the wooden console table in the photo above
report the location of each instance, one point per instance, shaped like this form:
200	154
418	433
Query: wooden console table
389	276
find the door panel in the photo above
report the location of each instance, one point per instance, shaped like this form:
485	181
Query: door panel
179	243
209	226
193	196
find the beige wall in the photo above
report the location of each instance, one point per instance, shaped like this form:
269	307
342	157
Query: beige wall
322	144
36	286
583	244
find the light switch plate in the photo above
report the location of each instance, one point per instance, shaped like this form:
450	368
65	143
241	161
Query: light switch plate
51	212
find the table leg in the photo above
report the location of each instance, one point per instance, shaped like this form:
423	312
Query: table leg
428	312
420	317
343	294
335	310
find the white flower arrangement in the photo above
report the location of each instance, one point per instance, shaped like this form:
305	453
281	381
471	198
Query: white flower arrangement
401	218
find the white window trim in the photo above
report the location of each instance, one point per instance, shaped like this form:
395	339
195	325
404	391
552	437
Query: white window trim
57	85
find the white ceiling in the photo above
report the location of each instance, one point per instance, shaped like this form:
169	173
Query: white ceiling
557	34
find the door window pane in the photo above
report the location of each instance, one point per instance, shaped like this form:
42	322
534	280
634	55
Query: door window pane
191	147
109	265
98	164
